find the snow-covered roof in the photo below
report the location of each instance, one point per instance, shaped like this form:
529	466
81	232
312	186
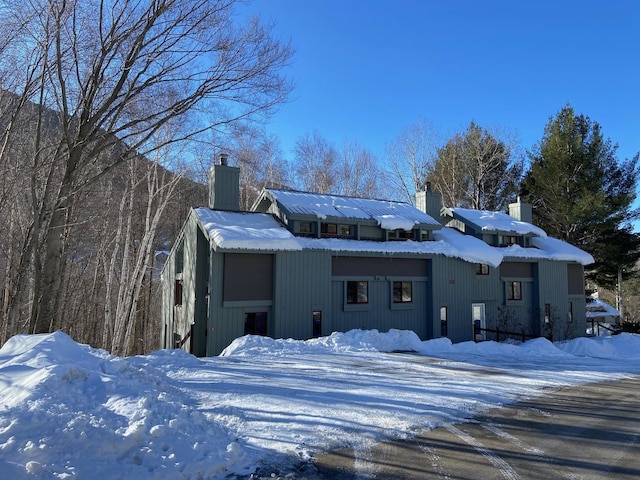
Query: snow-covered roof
548	249
250	231
555	249
469	248
448	242
388	214
260	231
597	308
488	221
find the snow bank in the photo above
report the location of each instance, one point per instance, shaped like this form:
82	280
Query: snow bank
337	342
70	411
625	346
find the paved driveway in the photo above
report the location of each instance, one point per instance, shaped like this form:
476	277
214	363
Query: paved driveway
586	432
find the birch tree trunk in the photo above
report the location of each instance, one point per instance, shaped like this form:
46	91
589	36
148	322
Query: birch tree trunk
135	252
113	74
619	298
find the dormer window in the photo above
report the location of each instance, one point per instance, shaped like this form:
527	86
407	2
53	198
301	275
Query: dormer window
344	230
508	240
305	228
337	230
330	228
400	234
426	235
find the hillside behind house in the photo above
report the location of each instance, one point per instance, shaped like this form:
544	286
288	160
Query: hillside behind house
105	235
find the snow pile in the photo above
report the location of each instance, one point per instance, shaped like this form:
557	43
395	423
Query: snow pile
624	346
70	411
338	342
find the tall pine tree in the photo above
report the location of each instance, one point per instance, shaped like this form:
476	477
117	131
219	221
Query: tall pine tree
583	194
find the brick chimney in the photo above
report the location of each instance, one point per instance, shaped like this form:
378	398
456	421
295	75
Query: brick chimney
224	185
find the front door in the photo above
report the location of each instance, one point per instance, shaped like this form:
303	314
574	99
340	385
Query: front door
479	321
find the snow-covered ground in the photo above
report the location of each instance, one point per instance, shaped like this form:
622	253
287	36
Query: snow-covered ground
70	411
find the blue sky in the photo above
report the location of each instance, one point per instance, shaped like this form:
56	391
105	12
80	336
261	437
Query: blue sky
365	70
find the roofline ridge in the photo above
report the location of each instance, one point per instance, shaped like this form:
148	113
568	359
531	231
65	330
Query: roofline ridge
293	190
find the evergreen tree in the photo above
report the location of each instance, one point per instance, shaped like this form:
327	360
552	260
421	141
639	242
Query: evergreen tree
475	169
583	194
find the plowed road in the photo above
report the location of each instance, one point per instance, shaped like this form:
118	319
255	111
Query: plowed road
587	432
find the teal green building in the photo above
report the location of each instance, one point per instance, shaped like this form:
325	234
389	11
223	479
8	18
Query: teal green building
301	265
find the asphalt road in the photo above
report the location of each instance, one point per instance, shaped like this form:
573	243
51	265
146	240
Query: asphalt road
587	432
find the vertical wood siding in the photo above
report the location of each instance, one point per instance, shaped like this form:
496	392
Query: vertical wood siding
225	323
556	280
190	258
302	285
456	286
379	313
303	282
201	315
